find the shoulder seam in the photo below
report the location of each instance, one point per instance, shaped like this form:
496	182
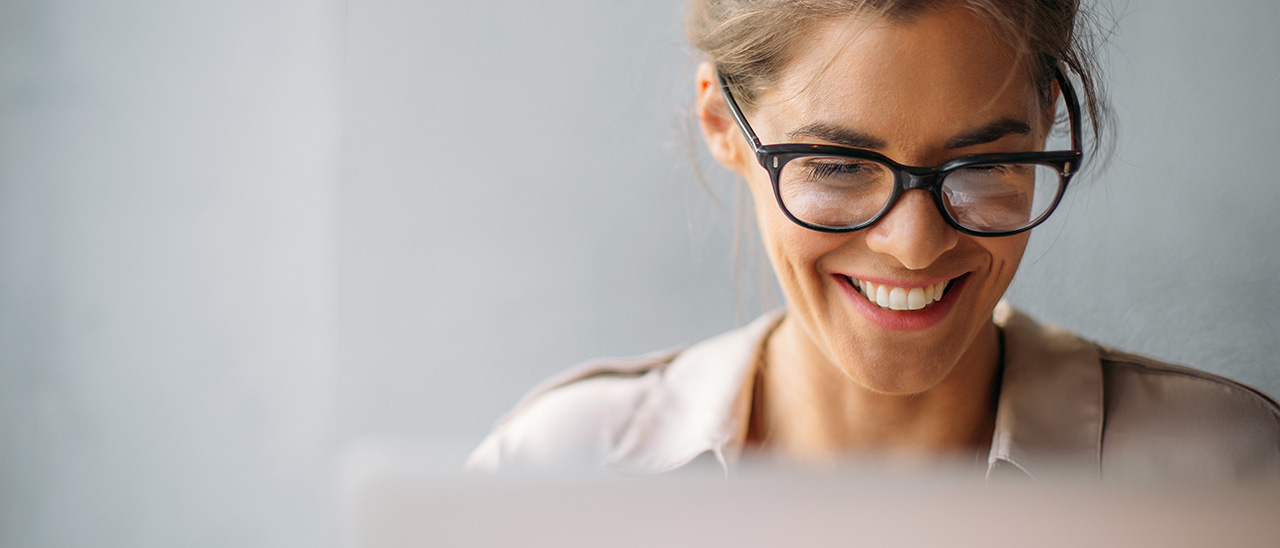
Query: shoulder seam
1116	357
636	366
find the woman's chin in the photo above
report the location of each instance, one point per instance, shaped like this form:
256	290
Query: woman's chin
905	377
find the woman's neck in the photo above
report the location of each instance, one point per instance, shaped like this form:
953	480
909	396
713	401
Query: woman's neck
807	409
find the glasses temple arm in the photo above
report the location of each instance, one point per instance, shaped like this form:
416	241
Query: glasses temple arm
1073	108
737	113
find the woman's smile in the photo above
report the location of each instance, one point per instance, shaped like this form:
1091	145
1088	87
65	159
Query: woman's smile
901	305
891	295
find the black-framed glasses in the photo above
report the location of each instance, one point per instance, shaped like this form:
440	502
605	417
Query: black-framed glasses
840	189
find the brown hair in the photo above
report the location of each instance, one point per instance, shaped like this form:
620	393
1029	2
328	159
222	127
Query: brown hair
750	41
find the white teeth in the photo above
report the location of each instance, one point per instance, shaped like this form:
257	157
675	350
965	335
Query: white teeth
901	298
898	298
915	299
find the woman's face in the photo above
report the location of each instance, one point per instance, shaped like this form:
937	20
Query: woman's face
921	92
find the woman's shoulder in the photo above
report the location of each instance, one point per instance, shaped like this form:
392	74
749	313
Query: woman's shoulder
572	418
646	414
1135	378
1124	415
1162	416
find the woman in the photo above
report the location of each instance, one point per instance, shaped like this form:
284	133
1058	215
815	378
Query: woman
894	342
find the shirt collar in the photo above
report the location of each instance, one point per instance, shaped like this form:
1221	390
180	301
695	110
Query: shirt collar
702	403
1048	416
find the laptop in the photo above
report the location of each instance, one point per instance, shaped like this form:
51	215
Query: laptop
399	495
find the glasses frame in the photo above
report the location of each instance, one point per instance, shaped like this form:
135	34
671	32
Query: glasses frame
774	157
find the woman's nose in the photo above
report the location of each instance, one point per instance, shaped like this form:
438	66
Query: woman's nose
913	232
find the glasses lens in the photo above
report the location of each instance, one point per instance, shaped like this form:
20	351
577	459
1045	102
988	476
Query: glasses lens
834	191
1000	197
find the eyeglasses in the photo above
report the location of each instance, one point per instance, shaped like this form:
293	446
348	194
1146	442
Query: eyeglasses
840	189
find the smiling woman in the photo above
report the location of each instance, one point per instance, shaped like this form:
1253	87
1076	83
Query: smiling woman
896	156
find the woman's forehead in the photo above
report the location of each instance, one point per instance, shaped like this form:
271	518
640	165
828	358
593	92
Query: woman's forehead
944	68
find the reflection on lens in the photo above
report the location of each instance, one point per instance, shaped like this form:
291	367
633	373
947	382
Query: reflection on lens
1000	197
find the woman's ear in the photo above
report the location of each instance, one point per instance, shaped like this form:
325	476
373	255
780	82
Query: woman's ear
719	129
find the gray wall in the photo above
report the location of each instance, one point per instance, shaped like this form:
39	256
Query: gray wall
168	212
239	238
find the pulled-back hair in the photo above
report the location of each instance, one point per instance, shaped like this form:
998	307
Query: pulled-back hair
750	42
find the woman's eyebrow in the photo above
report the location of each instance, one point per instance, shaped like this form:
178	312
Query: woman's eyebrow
989	133
839	135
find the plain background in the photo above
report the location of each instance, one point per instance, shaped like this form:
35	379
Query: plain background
238	238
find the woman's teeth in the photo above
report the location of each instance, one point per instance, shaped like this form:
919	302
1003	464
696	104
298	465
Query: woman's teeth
901	298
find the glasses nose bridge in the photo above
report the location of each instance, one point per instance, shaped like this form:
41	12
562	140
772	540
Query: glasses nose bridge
922	178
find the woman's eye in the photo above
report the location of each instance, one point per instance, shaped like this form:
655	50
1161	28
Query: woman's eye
994	179
995	169
823	174
837	169
1004	170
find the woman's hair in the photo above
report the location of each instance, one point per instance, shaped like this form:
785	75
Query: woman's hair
750	41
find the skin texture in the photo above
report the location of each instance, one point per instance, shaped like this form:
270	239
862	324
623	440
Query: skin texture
834	381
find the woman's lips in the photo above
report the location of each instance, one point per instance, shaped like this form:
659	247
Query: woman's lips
903	307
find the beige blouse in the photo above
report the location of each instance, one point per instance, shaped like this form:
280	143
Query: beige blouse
1067	408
